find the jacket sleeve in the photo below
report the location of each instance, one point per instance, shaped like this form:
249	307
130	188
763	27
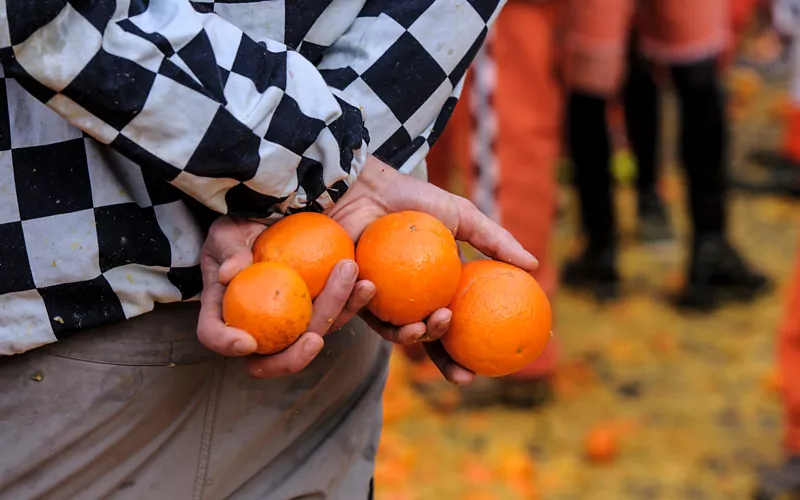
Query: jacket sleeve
246	128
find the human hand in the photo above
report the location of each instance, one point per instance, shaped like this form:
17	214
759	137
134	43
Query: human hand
227	251
381	190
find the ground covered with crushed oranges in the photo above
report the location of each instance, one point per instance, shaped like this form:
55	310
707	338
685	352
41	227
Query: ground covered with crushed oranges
692	401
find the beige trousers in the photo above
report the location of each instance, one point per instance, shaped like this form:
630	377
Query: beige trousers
140	410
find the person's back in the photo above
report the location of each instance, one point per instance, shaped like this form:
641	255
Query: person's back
181	111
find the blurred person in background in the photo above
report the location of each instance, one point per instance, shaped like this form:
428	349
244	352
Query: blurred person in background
785	479
688	38
641	108
505	138
782	168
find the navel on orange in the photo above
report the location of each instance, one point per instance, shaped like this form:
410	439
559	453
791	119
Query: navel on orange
270	301
310	243
501	319
412	259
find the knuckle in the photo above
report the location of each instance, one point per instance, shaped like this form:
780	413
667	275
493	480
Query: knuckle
292	366
341	295
334	295
465	205
212	339
393	335
203	336
357	303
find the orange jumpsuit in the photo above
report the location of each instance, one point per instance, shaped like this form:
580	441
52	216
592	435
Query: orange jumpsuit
788	345
788	21
789	363
670	31
505	135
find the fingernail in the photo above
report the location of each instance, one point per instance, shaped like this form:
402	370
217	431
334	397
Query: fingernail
419	337
535	260
243	347
312	346
444	325
365	293
348	271
461	379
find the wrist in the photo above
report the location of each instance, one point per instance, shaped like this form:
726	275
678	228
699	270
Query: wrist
368	190
376	175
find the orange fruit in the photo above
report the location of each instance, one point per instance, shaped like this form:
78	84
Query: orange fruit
412	259
602	445
501	319
308	242
270	301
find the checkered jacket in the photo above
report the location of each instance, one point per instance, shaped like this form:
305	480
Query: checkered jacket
122	122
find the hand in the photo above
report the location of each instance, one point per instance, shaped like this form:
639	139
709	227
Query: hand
227	251
381	190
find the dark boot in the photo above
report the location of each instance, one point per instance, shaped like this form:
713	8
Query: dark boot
779	482
717	274
654	225
594	271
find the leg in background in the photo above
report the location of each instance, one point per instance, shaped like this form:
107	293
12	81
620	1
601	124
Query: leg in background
590	149
717	272
691	44
594	58
703	141
642	106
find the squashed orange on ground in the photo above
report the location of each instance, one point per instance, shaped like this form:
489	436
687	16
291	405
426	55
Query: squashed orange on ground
310	243
501	319
602	445
270	301
412	259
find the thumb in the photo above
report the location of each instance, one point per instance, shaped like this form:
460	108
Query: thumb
237	259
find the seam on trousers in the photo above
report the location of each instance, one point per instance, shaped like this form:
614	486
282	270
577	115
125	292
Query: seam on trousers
119	363
208	426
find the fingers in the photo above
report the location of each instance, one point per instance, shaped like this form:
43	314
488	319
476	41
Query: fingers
229	243
437	324
491	239
433	329
407	334
235	263
339	297
293	360
213	333
362	294
451	370
330	303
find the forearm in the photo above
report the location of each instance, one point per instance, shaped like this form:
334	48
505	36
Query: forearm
246	129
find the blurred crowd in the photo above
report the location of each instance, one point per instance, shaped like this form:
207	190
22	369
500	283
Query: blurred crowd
555	80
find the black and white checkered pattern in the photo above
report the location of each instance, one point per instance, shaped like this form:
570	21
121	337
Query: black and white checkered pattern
253	108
